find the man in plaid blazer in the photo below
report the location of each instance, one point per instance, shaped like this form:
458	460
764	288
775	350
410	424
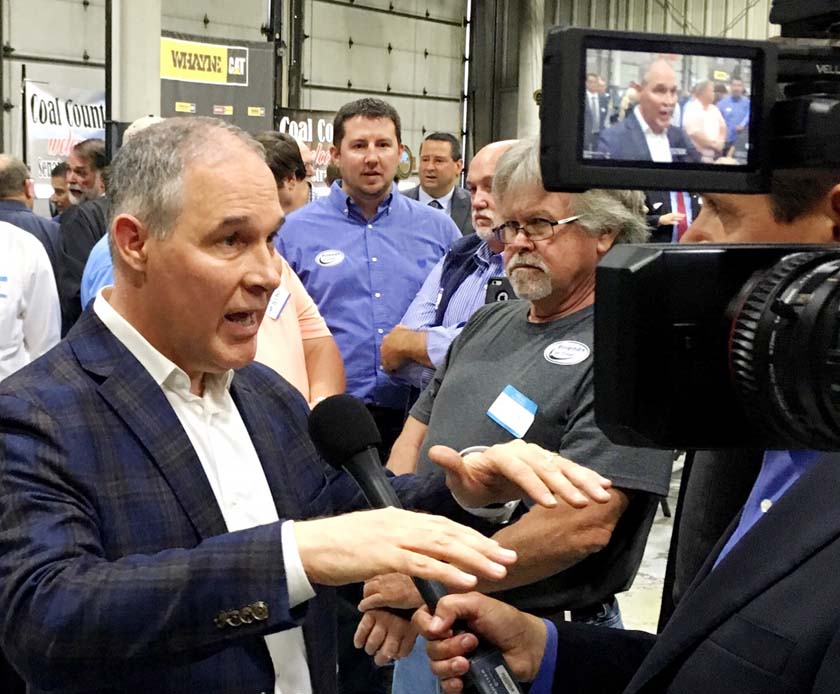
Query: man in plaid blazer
148	491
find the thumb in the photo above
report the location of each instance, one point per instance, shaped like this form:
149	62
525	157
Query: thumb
450	608
446	457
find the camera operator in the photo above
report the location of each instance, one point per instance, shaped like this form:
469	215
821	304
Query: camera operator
761	616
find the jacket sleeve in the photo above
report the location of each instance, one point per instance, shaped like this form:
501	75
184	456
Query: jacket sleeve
597	659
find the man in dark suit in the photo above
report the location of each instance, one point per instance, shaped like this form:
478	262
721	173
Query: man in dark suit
81	225
597	108
760	616
441	162
647	135
150	475
663	220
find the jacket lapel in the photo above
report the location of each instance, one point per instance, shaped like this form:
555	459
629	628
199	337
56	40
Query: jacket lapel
461	209
140	403
639	143
771	550
259	424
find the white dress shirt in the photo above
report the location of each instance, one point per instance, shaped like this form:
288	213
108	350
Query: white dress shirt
445	200
658	144
30	316
229	459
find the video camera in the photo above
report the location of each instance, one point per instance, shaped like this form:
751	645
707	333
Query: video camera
701	346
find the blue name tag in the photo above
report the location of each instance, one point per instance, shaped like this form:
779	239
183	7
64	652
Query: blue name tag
513	411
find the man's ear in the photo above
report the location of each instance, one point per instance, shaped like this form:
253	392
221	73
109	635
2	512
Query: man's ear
130	238
29	190
605	242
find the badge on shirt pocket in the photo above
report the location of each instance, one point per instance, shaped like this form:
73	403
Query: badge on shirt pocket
277	303
513	411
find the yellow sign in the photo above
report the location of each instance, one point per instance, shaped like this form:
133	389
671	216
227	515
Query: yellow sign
209	63
184	107
256	111
721	75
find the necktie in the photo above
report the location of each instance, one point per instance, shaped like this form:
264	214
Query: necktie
435	204
682	225
596	117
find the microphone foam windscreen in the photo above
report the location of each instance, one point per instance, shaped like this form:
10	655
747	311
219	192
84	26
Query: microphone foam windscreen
341	426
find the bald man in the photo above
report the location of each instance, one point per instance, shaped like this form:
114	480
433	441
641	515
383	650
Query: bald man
455	288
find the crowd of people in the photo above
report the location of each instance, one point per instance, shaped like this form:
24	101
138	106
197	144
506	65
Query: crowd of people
165	521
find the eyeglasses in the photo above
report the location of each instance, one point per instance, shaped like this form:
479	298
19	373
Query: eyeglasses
535	230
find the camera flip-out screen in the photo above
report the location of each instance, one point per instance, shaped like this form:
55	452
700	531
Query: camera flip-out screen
654	112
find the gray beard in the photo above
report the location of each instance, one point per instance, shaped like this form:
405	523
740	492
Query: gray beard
530	285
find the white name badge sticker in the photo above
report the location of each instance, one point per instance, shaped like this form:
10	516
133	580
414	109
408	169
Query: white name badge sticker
277	303
513	411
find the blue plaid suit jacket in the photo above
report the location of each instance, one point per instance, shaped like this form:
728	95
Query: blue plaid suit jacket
114	557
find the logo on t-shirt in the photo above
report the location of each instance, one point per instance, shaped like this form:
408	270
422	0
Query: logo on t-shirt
566	352
329	258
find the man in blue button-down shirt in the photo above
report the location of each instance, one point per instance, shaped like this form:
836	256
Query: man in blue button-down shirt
761	616
364	250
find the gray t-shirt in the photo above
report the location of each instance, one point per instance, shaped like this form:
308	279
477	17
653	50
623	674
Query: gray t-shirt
500	347
552	365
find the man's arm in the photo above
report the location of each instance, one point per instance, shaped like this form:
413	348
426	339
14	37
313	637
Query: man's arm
548	541
323	367
406	448
407	341
403	345
63	590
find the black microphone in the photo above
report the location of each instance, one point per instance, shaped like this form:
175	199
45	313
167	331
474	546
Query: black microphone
346	436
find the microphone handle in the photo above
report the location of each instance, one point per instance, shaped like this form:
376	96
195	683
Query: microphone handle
488	673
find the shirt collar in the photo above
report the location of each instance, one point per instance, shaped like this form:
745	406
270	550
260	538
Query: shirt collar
344	203
646	129
484	255
425	198
14	205
163	371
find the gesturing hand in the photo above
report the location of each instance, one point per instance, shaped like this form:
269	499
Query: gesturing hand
510	470
357	546
390	590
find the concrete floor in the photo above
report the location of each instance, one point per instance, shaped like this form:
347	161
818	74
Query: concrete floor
640	604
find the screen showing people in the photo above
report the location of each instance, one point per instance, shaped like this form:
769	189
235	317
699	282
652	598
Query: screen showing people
666	108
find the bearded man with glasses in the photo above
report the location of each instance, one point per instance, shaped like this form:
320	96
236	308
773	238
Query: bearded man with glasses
524	370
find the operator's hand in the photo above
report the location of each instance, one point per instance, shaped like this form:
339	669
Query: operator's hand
520	637
671	218
390	590
385	636
511	470
357	546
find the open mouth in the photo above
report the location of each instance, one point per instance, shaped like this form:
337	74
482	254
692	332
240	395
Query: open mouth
246	319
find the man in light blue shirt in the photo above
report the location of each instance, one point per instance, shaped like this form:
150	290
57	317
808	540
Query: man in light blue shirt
363	251
455	288
735	108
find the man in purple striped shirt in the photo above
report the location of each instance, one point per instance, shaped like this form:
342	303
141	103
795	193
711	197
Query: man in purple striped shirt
454	289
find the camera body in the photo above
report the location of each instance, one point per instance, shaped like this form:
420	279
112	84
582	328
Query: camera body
709	346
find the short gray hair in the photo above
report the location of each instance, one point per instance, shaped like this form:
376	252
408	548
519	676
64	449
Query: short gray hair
147	175
13	176
602	211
